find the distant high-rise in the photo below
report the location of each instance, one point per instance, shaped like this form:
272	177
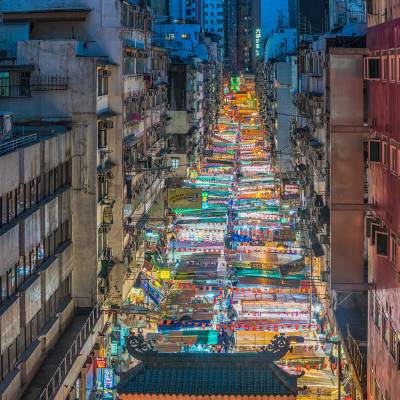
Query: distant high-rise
231	35
159	7
242	34
213	17
292	6
309	16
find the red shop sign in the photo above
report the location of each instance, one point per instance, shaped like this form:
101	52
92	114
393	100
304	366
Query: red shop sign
101	362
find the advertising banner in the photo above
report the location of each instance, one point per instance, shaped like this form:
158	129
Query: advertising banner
184	198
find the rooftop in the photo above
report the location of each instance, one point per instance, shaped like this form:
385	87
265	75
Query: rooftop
47	15
203	374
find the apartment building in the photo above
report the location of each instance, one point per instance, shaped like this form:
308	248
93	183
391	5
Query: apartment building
213	17
277	85
192	73
231	35
328	145
343	12
54	157
183	128
382	74
86	101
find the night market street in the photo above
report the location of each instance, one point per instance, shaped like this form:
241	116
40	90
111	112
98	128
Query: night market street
233	267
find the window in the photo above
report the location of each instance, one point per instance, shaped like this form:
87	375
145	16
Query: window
393	249
375	226
384	327
4	84
392	341
398	68
11	281
377	313
101	135
15	84
375	151
385	153
102	185
382	244
21	271
9	206
393	158
398	159
102	82
175	163
392	67
371	303
385	66
50	307
397	359
66	287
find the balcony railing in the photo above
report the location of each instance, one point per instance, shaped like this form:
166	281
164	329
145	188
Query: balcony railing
358	359
48	82
11	145
19	85
55	382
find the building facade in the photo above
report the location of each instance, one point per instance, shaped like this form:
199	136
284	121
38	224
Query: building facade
383	224
277	76
194	71
328	143
213	17
242	20
89	117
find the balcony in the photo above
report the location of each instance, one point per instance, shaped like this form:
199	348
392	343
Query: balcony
18	82
61	367
133	39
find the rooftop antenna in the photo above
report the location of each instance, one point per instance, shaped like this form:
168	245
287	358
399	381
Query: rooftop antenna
281	24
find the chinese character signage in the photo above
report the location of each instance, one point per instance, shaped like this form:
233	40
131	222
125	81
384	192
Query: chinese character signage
165	274
184	198
101	362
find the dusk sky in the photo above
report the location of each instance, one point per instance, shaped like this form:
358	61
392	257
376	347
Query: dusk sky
270	12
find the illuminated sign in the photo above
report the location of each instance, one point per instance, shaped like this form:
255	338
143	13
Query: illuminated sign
291	189
102	352
258	42
235	83
165	274
114	348
101	362
108	378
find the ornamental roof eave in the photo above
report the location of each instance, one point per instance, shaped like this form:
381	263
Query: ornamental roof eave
146	379
180	373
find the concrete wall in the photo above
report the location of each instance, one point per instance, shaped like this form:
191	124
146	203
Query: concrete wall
179	123
283	73
347	136
84	217
56	58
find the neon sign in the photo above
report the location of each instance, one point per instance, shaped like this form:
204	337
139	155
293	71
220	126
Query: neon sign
258	40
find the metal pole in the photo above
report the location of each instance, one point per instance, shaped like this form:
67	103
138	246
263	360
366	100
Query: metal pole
339	371
311	276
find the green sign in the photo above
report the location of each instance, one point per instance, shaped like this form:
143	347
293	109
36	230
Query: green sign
235	83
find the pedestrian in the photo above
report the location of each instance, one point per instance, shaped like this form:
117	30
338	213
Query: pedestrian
332	360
